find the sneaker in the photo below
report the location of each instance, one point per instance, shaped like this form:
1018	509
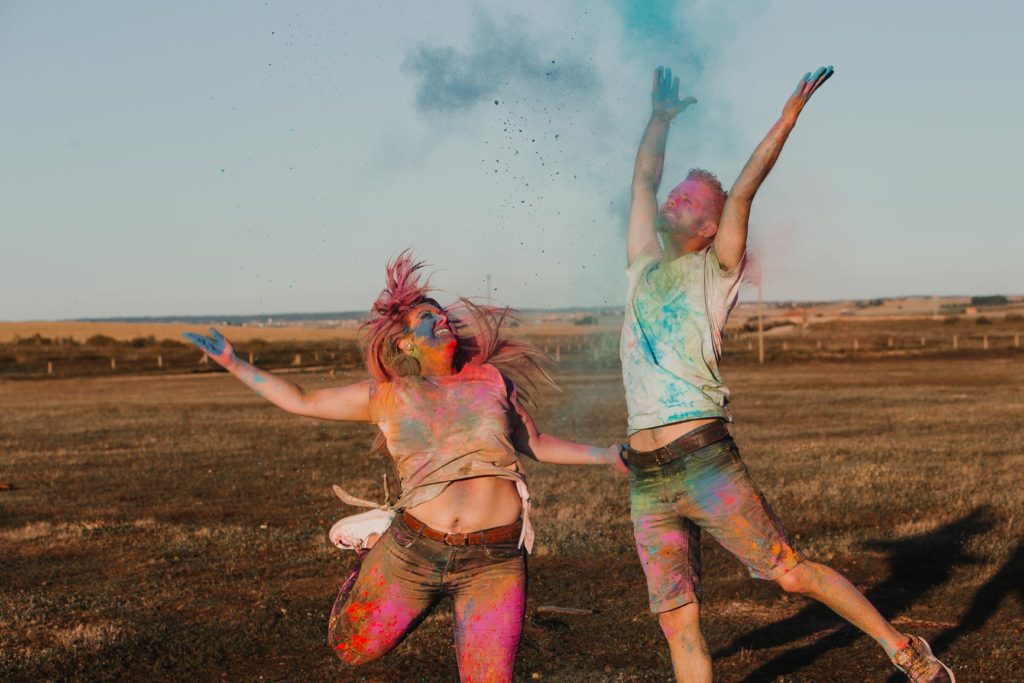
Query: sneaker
916	660
356	531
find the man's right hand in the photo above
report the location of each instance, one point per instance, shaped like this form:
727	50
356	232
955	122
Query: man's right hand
650	162
665	95
215	346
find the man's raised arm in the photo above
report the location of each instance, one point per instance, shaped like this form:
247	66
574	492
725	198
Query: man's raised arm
731	240
650	161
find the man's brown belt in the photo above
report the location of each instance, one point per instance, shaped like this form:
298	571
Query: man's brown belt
499	534
681	447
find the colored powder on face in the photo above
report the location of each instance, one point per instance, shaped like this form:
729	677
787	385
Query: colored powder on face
432	344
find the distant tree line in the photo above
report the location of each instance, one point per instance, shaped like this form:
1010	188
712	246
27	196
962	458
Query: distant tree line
98	340
993	300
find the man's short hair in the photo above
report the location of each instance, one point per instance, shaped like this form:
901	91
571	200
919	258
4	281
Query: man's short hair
712	182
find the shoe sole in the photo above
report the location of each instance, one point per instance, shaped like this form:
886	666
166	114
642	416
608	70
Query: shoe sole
928	649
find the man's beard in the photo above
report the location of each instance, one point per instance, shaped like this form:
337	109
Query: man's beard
666	227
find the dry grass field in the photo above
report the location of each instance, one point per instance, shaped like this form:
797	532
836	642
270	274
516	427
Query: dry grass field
81	331
70	349
173	527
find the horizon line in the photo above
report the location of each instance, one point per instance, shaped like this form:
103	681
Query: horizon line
355	315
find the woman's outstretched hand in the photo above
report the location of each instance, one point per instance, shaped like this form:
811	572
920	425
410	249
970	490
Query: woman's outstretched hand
350	402
215	346
614	457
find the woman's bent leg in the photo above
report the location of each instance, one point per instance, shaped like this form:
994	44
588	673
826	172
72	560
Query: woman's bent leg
394	590
489	604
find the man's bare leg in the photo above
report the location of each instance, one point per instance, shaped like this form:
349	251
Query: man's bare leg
833	590
691	660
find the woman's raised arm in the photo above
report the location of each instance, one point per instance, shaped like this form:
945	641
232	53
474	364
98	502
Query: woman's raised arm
349	403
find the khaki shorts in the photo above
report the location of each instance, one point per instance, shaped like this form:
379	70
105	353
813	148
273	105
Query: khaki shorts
708	489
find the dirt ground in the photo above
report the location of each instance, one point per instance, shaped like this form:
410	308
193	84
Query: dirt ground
174	528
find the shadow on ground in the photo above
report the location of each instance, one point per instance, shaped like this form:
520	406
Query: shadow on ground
917	565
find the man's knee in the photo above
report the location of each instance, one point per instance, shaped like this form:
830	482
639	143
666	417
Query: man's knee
682	622
800	579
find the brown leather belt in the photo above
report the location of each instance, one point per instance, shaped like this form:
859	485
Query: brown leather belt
681	447
499	534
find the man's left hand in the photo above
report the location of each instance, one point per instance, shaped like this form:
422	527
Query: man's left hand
807	86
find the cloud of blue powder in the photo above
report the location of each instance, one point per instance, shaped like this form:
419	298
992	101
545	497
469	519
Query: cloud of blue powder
503	55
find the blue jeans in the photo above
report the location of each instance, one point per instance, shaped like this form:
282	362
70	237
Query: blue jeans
405	575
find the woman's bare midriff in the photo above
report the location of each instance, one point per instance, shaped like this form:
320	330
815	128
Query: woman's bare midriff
656	437
472	505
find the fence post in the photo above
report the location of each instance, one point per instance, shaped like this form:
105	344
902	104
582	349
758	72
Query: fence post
558	353
298	359
204	360
819	345
159	361
49	367
113	364
956	341
890	342
984	342
856	344
250	358
785	346
1016	341
922	342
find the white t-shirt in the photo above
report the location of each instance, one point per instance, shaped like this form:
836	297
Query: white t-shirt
672	337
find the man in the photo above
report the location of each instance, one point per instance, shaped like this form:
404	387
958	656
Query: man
685	472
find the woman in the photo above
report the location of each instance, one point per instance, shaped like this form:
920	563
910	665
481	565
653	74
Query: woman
447	394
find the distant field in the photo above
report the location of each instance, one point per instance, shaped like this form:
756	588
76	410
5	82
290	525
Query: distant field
80	331
36	350
173	527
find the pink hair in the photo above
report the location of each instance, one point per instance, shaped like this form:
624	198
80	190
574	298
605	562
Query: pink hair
387	316
477	328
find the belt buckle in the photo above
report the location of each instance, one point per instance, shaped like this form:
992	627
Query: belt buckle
662	456
456	539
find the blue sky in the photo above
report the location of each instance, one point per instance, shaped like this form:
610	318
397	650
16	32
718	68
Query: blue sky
235	157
